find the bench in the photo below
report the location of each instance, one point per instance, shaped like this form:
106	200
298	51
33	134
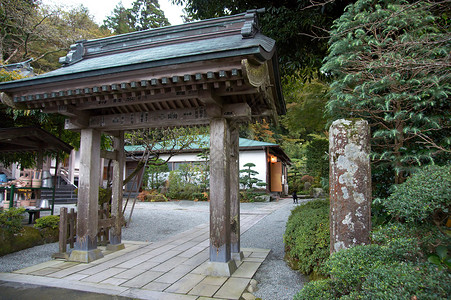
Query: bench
35	213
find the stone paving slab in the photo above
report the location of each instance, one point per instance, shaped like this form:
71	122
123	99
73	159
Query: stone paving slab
233	288
182	282
170	269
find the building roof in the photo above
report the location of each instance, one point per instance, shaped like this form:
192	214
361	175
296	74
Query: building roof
177	64
203	142
149	49
30	139
23	68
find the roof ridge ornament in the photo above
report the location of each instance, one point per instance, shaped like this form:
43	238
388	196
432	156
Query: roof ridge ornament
250	27
75	54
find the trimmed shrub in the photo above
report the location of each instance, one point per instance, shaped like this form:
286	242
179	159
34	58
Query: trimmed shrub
395	268
350	267
408	242
49	235
403	280
48	222
11	219
426	195
375	272
15	237
306	236
27	238
318	290
5	242
152	196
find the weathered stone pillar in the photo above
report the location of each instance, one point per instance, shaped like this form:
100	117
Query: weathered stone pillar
237	254
350	184
220	263
117	193
88	194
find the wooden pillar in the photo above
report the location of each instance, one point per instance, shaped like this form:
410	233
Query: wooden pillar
117	190
88	198
220	263
237	254
102	166
350	184
71	167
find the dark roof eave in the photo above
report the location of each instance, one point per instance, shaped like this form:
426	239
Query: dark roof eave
8	135
258	52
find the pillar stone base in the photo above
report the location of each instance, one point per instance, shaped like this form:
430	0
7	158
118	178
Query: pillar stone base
85	256
237	256
220	269
115	247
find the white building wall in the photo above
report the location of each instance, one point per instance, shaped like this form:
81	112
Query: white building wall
257	157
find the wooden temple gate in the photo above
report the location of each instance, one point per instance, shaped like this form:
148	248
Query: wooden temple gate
220	72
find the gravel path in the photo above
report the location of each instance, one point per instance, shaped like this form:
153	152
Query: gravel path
275	279
162	220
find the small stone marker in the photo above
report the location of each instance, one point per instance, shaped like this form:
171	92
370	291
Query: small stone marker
350	184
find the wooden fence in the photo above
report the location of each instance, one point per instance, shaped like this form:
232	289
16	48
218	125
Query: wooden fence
68	226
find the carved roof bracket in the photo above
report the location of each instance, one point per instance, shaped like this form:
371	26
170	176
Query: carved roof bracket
75	54
250	27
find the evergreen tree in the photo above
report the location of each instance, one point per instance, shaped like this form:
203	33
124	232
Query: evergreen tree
144	14
390	61
298	26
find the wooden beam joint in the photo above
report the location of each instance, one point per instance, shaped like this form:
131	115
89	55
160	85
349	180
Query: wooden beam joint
108	154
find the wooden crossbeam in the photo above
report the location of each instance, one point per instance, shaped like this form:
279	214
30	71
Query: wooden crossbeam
126	100
162	118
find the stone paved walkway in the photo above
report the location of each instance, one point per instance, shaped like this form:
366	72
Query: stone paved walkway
169	269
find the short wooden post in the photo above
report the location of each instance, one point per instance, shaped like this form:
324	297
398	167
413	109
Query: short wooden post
63	230
88	196
234	165
117	189
62	237
72	220
220	263
350	184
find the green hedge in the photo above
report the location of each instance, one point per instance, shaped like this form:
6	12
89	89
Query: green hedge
306	237
14	236
408	258
425	196
52	222
27	237
11	219
377	272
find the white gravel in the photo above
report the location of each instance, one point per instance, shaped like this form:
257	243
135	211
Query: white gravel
275	279
153	222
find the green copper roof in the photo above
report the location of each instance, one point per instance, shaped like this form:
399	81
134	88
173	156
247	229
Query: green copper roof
204	40
203	142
